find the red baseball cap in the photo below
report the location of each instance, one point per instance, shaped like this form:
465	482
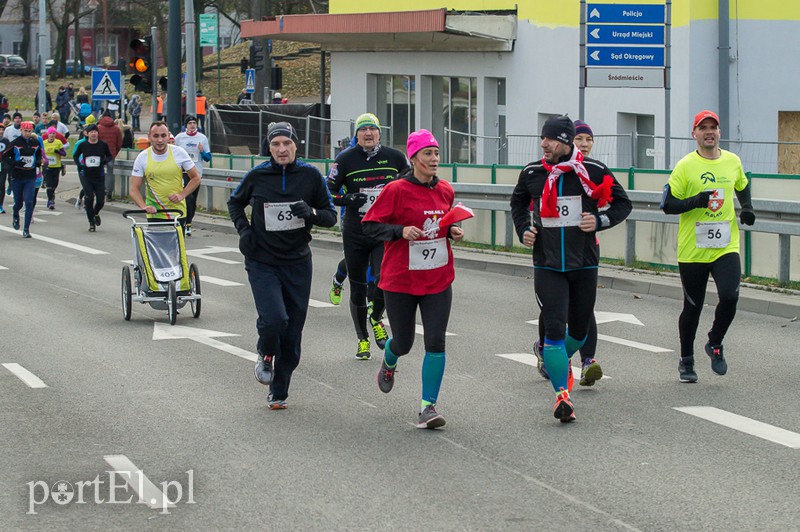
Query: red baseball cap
702	115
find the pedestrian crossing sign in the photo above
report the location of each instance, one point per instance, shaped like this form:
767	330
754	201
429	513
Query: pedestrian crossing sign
250	81
106	84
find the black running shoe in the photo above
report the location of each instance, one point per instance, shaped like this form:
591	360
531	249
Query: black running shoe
386	377
26	234
430	419
718	364
97	219
686	369
15	224
265	369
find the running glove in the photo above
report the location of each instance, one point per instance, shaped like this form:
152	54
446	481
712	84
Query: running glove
355	200
747	216
701	200
246	244
302	210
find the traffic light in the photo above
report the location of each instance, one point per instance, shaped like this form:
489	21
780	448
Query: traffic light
276	78
256	56
141	65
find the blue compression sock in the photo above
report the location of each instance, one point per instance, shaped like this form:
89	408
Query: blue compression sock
432	373
556	361
572	345
389	357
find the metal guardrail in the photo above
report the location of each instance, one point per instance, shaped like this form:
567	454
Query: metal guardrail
777	217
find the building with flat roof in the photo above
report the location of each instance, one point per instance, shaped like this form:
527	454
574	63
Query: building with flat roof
483	75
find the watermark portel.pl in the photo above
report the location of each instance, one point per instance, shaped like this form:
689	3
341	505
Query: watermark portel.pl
116	489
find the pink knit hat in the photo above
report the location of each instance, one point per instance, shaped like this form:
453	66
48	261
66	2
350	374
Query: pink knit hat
51	131
419	139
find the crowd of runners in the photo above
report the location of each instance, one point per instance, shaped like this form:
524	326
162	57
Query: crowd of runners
397	231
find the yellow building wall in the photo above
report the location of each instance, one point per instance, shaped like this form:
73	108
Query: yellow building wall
560	13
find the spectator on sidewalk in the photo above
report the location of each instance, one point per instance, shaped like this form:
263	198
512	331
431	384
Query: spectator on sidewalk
109	133
62	104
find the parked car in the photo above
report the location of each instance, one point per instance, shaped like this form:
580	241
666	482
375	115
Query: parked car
12	64
48	67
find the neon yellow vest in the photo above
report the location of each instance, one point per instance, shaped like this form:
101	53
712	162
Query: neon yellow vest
162	179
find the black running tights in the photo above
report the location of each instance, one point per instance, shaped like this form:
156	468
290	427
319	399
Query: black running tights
726	272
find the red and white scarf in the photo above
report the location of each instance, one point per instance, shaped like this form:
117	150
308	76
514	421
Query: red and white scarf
600	193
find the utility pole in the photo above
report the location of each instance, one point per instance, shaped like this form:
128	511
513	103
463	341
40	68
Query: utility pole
258	9
191	66
174	68
154	63
43	53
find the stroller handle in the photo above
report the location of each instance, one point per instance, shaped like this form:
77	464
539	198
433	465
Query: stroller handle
127	213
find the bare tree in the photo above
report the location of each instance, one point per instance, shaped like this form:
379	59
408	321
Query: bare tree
64	13
25	45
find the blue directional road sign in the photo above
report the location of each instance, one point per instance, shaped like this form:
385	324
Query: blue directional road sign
624	56
625	13
106	84
250	80
624	34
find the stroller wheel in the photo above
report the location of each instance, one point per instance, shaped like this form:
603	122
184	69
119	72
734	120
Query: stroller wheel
194	284
172	303
126	293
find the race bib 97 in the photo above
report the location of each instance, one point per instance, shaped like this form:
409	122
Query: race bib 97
427	254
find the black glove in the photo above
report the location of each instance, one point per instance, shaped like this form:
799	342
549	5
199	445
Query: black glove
247	242
302	210
747	216
355	200
701	200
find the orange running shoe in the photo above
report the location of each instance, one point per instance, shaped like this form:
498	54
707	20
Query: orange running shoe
563	410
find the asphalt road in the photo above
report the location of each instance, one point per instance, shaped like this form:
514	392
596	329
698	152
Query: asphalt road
178	407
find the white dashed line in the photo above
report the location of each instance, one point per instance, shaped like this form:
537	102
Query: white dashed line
25	376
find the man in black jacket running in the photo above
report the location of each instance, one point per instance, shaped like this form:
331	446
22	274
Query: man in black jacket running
287	197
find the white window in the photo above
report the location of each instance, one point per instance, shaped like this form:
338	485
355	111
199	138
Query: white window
395	108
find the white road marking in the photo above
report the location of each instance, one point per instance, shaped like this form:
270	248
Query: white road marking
607	317
622	341
207	252
631	343
319	304
25	376
162	331
63	243
203	278
529	359
3	268
744	424
134	477
222	346
419	330
217	281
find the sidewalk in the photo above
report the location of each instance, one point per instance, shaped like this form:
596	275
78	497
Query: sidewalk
752	298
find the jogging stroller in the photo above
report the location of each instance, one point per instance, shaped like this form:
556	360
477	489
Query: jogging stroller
161	275
79	113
